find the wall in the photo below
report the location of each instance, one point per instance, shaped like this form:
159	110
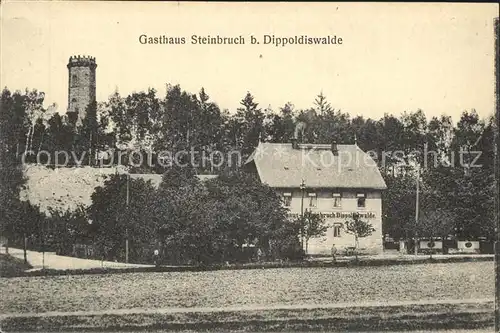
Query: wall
373	209
68	188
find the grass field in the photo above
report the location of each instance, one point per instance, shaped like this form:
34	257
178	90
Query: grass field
340	319
263	287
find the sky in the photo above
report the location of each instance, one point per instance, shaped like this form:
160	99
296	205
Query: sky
394	57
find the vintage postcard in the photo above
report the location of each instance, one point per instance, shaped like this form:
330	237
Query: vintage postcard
248	167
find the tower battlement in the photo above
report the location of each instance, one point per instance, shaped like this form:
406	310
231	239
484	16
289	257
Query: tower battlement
82	61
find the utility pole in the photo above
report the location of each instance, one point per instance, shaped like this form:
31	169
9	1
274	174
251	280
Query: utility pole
90	149
126	228
497	175
302	188
43	244
25	246
416	209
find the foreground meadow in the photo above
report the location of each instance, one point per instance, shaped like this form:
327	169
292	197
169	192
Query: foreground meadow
257	287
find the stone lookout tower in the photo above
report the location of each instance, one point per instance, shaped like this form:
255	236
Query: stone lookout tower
81	86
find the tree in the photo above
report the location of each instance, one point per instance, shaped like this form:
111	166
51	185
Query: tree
281	126
12	131
367	135
435	223
285	243
307	126
253	211
322	105
182	218
67	228
136	119
181	120
27	228
398	205
33	111
192	221
439	136
59	136
114	220
312	226
414	132
210	222
359	229
333	125
210	124
251	124
179	174
86	136
390	133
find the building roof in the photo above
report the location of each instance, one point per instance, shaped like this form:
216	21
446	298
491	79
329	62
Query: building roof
281	166
68	188
157	178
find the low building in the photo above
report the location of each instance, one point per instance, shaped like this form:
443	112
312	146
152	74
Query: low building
333	180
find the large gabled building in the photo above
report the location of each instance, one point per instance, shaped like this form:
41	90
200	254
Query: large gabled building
332	180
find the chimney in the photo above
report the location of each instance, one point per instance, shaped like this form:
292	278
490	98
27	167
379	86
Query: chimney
295	145
335	150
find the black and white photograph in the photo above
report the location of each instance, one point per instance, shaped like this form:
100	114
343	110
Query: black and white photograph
249	167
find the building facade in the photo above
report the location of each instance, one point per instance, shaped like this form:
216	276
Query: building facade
333	180
81	86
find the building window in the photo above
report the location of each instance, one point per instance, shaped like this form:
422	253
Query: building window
74	80
287	199
337	200
361	200
337	228
313	200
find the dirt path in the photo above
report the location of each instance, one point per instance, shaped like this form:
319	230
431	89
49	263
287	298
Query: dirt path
50	260
250	308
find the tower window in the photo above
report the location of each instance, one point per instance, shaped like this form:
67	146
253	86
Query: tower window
73	100
74	80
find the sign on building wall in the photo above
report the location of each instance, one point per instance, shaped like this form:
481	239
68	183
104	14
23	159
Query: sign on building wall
339	215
